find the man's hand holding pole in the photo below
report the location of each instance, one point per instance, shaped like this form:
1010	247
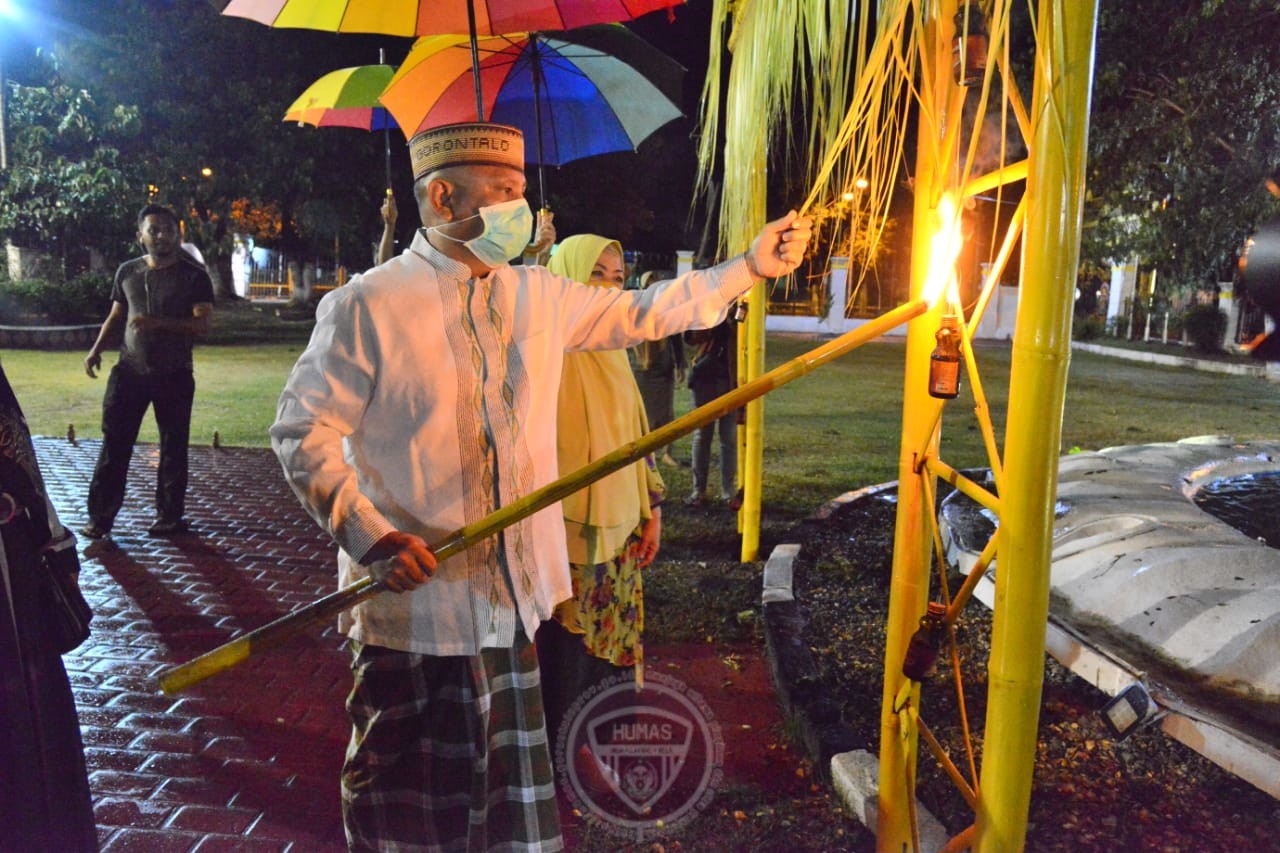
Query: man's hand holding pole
400	561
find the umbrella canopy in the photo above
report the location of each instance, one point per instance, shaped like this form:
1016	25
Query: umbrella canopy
574	94
428	17
347	97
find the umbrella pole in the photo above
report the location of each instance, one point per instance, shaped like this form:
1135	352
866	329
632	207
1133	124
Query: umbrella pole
475	58
386	128
537	118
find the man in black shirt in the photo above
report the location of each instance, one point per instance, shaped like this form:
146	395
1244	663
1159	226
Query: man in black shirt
161	301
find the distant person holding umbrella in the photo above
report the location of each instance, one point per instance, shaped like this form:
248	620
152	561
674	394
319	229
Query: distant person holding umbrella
425	400
387	243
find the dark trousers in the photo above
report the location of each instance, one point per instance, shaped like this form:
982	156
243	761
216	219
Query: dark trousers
125	402
568	673
727	425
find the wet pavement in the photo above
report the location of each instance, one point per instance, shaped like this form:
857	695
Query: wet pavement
249	759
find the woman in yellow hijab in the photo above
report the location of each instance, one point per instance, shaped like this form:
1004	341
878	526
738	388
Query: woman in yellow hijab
613	526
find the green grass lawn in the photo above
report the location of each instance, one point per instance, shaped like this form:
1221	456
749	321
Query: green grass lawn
240	370
839	427
833	430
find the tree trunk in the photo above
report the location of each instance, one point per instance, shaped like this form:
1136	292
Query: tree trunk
301	292
218	263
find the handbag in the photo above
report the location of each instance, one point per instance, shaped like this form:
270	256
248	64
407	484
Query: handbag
700	371
67	614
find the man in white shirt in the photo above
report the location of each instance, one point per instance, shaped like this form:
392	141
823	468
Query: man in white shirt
426	400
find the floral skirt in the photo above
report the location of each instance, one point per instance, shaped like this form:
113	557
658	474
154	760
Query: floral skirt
607	609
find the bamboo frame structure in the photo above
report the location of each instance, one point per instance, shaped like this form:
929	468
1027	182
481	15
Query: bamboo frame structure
1038	378
910	62
1048	221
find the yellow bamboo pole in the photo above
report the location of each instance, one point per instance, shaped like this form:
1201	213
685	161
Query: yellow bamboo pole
909	584
182	676
750	469
1037	388
751	474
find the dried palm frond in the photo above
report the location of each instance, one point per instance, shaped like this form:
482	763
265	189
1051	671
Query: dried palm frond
864	76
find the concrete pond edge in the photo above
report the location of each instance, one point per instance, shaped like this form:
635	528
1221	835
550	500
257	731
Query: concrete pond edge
852	772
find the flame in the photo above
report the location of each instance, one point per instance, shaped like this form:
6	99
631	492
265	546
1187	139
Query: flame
944	249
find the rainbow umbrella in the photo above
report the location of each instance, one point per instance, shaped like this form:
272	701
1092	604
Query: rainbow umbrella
439	17
575	94
348	97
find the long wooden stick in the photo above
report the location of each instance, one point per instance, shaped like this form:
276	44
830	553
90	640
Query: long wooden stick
185	675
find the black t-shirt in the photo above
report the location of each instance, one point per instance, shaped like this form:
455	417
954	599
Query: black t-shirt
170	292
714	358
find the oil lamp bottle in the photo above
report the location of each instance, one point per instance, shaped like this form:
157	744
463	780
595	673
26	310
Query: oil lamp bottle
969	48
944	361
922	651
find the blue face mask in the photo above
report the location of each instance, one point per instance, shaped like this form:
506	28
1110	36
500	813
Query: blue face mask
507	227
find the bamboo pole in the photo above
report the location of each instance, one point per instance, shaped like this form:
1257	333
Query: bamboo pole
751	473
1037	388
909	584
750	467
182	676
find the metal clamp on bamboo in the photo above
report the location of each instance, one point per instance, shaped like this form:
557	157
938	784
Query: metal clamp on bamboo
182	676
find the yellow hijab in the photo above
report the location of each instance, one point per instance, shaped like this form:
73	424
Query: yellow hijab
599	410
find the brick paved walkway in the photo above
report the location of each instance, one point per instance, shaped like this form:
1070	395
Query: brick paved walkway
249	759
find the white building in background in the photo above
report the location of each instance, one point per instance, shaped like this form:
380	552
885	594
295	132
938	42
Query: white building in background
1124	284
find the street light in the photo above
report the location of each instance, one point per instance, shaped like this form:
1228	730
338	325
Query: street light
7	12
10	16
854	200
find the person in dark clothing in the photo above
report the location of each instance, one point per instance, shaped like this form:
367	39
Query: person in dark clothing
658	366
161	301
44	789
713	373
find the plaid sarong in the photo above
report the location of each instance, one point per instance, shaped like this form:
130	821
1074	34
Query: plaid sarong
448	753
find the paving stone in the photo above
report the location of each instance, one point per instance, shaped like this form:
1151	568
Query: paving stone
169	722
210	820
208	788
106	736
178	765
240	844
98	758
114	811
151	841
122	783
177	742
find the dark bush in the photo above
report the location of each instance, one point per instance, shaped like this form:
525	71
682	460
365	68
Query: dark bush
1088	328
1205	326
85	298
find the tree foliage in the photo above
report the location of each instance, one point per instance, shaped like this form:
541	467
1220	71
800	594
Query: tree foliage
1184	131
66	175
211	92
